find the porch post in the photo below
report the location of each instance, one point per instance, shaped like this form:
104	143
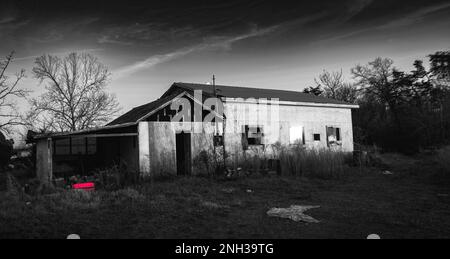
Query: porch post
50	159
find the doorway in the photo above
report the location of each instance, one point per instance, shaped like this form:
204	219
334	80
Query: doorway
183	146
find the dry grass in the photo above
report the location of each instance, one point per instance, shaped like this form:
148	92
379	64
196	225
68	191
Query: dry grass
324	164
411	203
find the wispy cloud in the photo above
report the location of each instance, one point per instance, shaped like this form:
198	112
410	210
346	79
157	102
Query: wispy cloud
355	7
406	20
414	17
210	43
10	24
145	33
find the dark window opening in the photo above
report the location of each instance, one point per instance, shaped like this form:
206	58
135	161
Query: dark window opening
316	137
252	136
218	140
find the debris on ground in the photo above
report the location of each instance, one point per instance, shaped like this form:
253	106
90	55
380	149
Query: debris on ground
89	186
295	213
387	173
228	190
373	236
73	236
213	205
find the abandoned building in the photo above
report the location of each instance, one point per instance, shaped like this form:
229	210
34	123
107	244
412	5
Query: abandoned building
147	140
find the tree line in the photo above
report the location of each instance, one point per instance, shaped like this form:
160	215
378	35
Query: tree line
399	111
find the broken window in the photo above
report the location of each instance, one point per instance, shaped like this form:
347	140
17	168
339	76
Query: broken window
316	137
297	135
333	136
252	136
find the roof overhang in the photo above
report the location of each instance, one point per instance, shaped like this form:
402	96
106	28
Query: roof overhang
286	103
79	132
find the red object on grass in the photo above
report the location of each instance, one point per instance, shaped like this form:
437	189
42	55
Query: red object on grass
84	186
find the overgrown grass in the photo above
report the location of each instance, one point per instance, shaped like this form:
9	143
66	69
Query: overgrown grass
324	164
406	204
295	160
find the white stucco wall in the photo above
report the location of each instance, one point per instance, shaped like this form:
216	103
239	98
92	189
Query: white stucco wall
277	124
157	145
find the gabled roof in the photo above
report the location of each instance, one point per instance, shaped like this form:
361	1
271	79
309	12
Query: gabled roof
176	89
248	92
137	113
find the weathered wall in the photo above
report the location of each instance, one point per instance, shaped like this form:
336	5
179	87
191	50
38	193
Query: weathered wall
44	160
157	140
157	149
158	155
314	120
162	148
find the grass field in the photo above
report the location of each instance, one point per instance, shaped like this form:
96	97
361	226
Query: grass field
413	202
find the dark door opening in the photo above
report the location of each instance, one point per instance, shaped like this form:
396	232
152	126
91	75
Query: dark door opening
183	145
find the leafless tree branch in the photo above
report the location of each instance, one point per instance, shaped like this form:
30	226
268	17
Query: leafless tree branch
9	93
76	96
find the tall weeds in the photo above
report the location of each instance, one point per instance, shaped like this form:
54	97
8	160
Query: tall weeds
325	164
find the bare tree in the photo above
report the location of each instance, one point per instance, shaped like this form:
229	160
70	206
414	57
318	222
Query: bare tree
376	79
9	93
330	82
334	86
75	96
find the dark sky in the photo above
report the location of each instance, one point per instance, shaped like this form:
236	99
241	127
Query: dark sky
270	44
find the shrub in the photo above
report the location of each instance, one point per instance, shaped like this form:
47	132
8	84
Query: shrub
116	177
208	162
202	163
